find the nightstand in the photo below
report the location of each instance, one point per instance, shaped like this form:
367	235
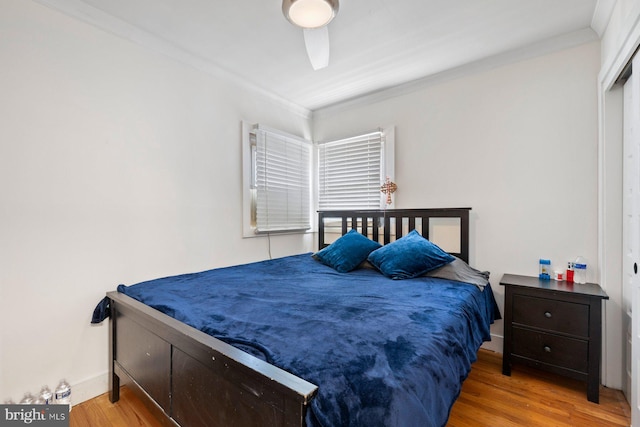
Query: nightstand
555	326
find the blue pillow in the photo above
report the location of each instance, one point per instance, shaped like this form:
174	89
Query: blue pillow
348	252
410	256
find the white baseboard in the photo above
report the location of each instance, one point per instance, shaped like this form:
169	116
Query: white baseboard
89	388
495	344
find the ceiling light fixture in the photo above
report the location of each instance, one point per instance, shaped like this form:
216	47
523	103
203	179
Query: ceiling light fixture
310	13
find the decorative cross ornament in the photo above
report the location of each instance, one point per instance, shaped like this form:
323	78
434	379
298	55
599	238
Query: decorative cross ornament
388	188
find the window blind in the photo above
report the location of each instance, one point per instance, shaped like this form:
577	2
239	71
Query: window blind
350	172
281	181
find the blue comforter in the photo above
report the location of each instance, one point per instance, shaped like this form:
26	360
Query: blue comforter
382	352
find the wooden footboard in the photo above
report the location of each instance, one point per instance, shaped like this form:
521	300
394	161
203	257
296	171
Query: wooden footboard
192	379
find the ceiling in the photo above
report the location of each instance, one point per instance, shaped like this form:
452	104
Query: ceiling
375	44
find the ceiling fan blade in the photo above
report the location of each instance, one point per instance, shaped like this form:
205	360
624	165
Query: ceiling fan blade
317	43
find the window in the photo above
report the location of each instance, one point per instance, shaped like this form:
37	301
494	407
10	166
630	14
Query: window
351	170
280	181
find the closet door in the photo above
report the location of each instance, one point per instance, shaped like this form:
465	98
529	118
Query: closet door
631	234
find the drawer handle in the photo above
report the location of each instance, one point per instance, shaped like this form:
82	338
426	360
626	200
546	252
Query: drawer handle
547	315
547	349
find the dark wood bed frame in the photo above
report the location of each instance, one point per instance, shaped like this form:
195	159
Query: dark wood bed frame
188	378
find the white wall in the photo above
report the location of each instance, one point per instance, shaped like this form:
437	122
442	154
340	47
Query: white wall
517	143
116	165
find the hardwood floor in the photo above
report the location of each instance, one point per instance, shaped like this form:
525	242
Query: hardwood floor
129	411
531	398
488	398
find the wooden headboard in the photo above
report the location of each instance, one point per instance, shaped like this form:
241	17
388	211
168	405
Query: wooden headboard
391	224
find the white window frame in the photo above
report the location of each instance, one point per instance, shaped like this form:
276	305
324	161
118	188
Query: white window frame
248	195
387	170
250	134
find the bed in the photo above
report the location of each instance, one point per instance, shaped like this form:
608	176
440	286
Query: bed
295	341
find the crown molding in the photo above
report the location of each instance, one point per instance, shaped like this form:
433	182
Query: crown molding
554	44
602	15
97	18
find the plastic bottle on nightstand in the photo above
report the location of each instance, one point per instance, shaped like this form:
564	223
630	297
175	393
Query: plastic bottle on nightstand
569	276
544	271
580	270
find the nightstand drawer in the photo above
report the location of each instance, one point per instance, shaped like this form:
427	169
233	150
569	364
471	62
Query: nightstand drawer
551	315
551	349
